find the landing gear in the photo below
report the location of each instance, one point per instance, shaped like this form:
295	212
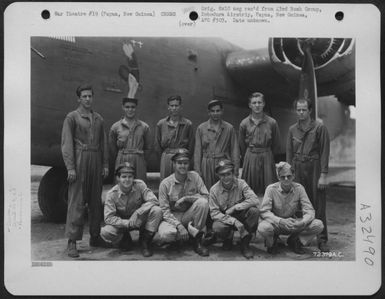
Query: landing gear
53	194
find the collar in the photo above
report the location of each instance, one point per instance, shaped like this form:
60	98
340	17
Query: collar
262	120
93	114
210	126
281	190
124	122
120	192
175	181
223	189
308	128
181	120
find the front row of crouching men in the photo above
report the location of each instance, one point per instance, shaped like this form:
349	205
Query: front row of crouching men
184	204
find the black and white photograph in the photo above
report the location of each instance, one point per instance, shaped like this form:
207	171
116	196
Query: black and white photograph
189	141
220	103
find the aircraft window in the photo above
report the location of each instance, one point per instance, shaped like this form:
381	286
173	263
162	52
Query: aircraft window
70	39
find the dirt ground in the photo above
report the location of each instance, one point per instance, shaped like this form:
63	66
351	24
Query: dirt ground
49	244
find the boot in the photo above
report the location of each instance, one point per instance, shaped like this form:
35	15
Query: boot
145	239
245	249
198	245
97	241
274	248
227	244
71	249
323	247
295	244
125	243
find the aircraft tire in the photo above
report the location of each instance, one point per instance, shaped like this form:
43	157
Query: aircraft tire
52	195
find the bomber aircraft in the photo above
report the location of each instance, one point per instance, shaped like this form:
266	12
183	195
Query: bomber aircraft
198	69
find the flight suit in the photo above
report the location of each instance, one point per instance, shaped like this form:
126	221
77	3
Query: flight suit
84	149
130	144
169	138
277	205
212	146
258	141
307	150
140	204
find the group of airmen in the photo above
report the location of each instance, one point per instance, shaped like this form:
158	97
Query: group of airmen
205	205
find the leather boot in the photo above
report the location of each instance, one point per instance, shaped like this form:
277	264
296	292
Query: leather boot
227	244
72	251
198	245
323	247
274	248
125	243
97	241
295	244
145	240
245	249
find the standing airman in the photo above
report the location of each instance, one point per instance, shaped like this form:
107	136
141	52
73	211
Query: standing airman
259	138
172	133
129	139
307	149
85	154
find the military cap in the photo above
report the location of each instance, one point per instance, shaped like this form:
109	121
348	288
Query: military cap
181	154
283	167
129	100
214	103
125	167
224	166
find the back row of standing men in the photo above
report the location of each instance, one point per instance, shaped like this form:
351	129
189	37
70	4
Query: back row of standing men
85	153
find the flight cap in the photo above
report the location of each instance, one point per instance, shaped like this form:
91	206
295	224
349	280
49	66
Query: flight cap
129	100
224	166
214	103
125	167
180	155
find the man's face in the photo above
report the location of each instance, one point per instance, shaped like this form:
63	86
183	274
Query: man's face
286	179
181	166
129	109
215	112
86	98
125	180
174	107
256	104
226	178
303	112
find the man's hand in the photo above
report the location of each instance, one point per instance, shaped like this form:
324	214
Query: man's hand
231	210
299	225
183	234
71	176
287	224
179	202
105	172
322	182
134	221
240	228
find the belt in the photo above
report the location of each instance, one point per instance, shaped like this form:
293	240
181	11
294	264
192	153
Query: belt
304	158
258	150
132	151
86	147
213	155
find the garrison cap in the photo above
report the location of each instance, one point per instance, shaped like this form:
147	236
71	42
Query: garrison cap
214	103
181	154
283	167
129	100
125	167
224	166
